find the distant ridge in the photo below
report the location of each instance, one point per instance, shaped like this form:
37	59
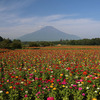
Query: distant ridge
48	33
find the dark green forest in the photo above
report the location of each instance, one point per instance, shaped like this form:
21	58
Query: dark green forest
17	44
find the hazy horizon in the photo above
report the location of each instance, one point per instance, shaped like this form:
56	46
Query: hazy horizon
20	17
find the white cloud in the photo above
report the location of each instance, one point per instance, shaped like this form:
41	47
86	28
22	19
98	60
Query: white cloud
84	27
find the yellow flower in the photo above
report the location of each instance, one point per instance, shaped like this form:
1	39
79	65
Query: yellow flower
51	86
35	71
7	80
10	87
28	69
63	86
59	62
82	82
54	88
70	74
7	92
94	99
98	74
66	78
61	74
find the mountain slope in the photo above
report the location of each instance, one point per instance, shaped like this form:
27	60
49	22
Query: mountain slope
48	33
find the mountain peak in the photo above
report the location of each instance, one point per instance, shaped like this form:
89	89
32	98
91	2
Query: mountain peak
48	28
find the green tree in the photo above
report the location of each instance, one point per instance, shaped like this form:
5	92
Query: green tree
6	43
33	44
16	44
1	39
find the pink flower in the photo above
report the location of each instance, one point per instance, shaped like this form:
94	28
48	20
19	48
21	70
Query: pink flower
50	98
31	74
38	97
39	92
90	75
30	77
36	78
64	82
43	92
58	80
80	88
83	94
93	85
74	85
25	95
81	80
36	94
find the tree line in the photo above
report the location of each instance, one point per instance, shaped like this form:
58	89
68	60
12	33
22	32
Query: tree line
17	44
10	44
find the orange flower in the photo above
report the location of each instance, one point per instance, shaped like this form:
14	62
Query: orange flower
54	88
7	92
94	99
16	76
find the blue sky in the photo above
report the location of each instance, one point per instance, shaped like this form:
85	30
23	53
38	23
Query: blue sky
78	17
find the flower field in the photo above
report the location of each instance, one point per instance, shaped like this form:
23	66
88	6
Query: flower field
50	73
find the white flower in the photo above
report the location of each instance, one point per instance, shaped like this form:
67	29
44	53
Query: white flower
49	66
51	71
33	80
71	84
79	84
66	69
1	91
26	91
22	82
76	76
98	88
87	87
66	75
66	86
95	91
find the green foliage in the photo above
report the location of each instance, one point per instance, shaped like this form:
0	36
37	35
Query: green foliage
16	44
33	44
5	43
9	44
1	39
40	44
94	41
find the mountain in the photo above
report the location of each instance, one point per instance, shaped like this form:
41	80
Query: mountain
48	33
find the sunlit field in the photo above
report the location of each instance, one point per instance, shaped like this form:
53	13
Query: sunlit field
50	73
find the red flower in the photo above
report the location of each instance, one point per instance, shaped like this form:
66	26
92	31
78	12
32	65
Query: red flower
59	83
0	85
12	76
29	82
93	78
70	87
85	73
53	78
89	81
39	85
52	81
14	87
22	89
17	83
40	79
